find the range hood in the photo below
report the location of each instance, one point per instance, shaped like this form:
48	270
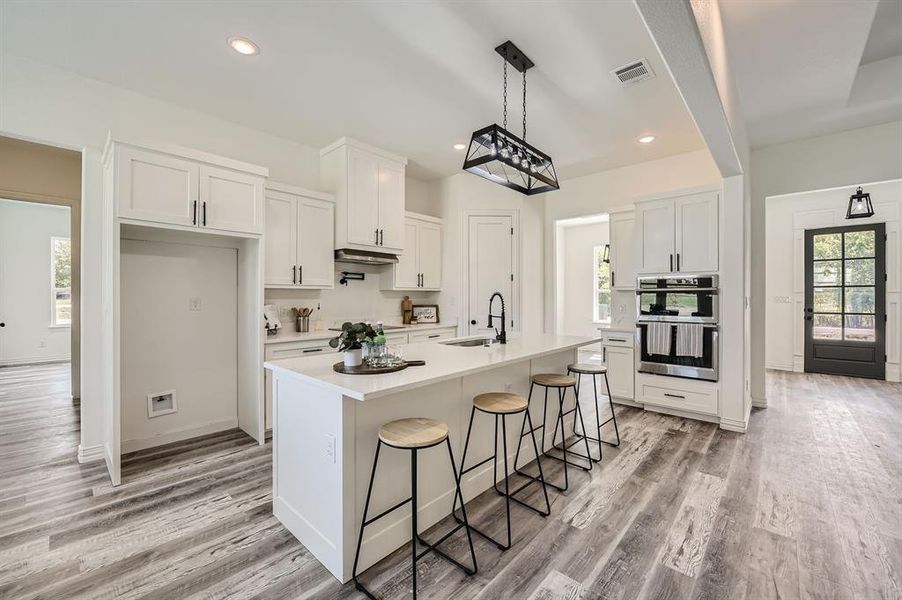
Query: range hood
364	257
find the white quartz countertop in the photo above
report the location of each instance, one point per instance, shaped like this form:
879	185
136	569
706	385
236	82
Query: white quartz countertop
288	334
443	362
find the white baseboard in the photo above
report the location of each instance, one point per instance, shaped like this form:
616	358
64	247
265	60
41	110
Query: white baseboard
87	454
893	372
674	412
778	366
759	402
177	436
733	425
36	360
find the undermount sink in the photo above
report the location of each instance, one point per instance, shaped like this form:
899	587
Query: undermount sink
466	343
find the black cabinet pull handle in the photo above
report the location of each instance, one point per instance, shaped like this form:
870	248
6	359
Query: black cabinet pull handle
301	274
432	337
205	214
604	354
309	350
612	279
678	261
674	396
2	324
621	340
671	262
381	237
376	236
294	274
473	322
194	213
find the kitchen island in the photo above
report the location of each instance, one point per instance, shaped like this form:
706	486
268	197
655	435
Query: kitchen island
325	428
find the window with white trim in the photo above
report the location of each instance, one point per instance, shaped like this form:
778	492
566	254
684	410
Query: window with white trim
60	282
602	287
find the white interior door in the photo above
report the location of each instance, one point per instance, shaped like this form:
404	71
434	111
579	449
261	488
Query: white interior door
490	270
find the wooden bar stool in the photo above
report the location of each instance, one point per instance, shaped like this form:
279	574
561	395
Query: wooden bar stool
414	435
502	404
561	383
594	370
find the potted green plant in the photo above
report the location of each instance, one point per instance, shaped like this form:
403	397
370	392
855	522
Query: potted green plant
350	341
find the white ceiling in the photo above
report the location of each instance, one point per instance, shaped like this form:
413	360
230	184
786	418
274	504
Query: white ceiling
812	67
413	77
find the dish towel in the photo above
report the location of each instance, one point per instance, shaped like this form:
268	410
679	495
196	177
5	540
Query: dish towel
689	340
658	338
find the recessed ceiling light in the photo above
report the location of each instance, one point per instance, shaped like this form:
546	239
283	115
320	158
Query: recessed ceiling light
460	146
243	46
646	139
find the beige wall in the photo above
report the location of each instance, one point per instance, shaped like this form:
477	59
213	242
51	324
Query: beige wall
39	173
840	159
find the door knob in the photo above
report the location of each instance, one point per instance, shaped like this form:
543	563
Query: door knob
4	324
473	322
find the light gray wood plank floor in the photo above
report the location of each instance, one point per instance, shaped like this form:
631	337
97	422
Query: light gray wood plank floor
807	504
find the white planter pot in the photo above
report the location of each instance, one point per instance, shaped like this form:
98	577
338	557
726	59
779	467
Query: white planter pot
354	358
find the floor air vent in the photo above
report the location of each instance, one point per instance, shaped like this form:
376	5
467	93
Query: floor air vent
633	72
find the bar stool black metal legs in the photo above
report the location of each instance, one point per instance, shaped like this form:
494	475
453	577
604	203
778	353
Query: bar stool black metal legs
501	405
561	383
414	435
593	371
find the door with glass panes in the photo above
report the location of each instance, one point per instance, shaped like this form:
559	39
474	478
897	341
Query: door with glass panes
845	300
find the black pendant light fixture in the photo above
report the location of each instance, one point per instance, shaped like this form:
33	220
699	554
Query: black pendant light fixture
500	156
860	205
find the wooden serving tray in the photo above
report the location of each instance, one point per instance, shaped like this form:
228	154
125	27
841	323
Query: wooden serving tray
365	369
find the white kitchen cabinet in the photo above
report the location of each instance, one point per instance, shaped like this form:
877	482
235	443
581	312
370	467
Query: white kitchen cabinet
674	393
156	187
287	350
368	184
432	335
230	200
167	189
678	234
419	267
299	238
623	250
617	352
656	232
696	232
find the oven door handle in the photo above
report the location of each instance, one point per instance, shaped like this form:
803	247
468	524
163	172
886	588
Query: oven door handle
712	290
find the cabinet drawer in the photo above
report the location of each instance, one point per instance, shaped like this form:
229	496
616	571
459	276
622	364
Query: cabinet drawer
395	338
679	395
432	335
625	340
295	349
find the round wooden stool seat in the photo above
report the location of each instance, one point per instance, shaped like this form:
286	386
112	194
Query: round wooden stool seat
418	432
554	380
500	403
588	369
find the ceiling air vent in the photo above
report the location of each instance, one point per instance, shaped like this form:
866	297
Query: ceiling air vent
633	72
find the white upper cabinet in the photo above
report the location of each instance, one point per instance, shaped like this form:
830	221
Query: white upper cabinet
299	238
368	184
156	187
230	200
655	221
419	267
624	250
196	190
316	246
679	234
696	232
280	239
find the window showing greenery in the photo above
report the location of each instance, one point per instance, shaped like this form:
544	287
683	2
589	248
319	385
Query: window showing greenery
844	286
602	287
60	281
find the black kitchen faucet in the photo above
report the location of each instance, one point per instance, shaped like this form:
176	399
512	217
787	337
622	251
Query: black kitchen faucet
501	336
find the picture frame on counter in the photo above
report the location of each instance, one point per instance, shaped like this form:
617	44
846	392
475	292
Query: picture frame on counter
425	313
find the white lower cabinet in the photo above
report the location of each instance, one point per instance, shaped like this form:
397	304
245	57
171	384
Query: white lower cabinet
618	354
432	335
678	394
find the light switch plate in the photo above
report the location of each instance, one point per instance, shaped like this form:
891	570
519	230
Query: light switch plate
330	448
195	304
